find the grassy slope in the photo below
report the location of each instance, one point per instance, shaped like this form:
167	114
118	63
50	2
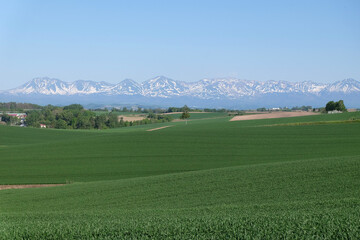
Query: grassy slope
271	183
295	199
55	156
206	179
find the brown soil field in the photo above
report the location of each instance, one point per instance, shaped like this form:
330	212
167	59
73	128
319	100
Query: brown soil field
272	115
130	118
3	187
154	129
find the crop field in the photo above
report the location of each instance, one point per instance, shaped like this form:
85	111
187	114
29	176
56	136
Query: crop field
207	179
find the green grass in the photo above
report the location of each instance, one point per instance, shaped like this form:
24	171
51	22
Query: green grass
209	179
315	123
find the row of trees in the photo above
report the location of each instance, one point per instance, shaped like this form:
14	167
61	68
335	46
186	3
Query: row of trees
151	118
131	110
69	117
186	108
162	110
302	108
13	106
76	117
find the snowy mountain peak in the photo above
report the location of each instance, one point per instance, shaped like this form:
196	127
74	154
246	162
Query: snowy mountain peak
162	86
127	87
44	81
43	85
160	78
346	86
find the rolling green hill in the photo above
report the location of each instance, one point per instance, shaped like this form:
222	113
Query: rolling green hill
209	179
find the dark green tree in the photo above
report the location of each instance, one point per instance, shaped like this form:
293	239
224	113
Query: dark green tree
100	121
122	123
60	124
5	118
330	106
152	115
185	115
185	108
340	106
33	118
112	121
83	122
66	115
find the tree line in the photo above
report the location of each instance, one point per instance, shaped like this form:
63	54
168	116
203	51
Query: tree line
76	117
13	106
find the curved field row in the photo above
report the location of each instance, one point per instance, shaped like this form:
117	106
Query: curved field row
4	187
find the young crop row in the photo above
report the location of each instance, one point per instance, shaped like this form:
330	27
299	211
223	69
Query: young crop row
212	226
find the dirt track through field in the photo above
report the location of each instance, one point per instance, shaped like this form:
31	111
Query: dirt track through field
3	187
154	129
272	115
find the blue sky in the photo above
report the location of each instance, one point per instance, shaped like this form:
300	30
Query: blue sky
184	40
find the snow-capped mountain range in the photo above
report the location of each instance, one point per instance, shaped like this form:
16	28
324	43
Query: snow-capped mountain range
224	89
165	87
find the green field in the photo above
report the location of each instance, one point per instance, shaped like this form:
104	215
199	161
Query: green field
207	179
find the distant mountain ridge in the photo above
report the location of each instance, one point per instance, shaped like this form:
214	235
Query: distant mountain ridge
221	89
165	87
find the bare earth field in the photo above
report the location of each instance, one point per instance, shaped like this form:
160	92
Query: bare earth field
131	118
272	115
3	187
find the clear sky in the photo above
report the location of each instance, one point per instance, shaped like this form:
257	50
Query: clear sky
184	40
